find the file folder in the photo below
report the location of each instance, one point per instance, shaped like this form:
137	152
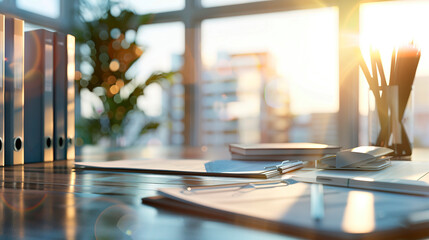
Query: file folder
70	97
60	96
39	80
14	91
2	19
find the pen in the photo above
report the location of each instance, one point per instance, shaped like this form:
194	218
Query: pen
317	202
233	186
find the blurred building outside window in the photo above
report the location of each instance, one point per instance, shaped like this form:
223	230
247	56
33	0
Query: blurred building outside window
270	78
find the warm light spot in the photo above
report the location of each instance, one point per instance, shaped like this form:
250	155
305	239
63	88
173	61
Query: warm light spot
120	83
114	65
359	213
204	149
138	51
364	149
114	89
366	179
78	75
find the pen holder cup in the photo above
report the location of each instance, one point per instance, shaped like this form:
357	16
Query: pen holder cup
391	119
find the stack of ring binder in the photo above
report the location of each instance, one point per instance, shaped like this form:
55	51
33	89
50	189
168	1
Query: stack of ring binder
37	101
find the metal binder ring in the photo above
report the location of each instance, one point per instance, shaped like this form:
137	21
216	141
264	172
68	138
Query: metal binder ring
17	144
48	142
61	142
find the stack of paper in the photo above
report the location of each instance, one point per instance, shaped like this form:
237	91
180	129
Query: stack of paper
281	151
219	168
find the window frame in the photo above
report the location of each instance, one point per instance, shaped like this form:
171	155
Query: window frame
63	23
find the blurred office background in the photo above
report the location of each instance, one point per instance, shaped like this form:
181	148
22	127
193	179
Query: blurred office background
243	71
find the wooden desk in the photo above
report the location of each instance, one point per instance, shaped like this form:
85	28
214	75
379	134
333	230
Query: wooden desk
52	200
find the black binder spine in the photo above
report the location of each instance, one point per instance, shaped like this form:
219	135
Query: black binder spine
2	19
70	97
38	124
60	96
14	91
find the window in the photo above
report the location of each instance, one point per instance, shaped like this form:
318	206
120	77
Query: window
154	6
270	78
48	8
274	68
214	3
381	28
164	48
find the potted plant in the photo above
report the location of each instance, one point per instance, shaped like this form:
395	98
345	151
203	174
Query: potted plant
105	56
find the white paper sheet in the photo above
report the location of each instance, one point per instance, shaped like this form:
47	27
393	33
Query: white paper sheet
398	170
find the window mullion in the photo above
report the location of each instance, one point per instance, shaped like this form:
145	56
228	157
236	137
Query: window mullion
192	73
348	127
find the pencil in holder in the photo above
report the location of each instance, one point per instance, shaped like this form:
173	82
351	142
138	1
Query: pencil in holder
391	120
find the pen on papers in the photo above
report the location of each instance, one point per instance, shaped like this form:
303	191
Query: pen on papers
232	186
317	202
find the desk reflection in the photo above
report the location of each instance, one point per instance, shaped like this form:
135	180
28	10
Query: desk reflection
359	214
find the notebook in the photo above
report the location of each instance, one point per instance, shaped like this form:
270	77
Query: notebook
219	168
283	149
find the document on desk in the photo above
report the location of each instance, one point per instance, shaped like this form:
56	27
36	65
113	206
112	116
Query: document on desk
348	213
401	177
220	168
398	170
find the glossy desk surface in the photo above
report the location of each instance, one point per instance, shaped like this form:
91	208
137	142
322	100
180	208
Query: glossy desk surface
55	201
